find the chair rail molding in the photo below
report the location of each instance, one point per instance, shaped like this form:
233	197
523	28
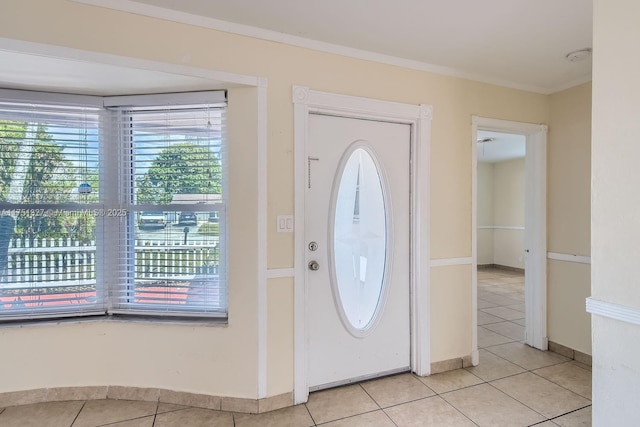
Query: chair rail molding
613	311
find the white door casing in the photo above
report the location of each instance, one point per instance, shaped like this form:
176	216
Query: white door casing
418	117
357	234
535	226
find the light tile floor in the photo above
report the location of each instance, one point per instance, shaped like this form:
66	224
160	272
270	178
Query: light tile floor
514	385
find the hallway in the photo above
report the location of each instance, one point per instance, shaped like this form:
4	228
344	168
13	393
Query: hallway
514	385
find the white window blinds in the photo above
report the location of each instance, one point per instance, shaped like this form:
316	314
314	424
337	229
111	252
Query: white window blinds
50	186
172	251
112	205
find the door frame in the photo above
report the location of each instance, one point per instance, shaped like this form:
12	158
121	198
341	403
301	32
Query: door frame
307	101
535	235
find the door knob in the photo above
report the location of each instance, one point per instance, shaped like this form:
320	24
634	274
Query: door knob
314	266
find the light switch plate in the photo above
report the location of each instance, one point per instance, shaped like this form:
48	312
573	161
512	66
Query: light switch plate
284	224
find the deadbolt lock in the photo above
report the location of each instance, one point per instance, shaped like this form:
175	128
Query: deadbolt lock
313	246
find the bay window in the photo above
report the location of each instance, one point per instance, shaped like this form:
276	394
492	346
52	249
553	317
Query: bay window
112	205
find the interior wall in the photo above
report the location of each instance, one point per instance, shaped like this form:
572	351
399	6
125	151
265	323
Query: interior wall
501	213
485	213
223	360
569	216
615	209
508	213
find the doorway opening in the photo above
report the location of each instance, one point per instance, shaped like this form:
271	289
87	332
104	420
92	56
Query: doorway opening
509	233
500	242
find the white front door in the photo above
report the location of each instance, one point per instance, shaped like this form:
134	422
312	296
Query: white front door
357	249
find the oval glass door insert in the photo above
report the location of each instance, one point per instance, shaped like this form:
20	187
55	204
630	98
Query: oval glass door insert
359	240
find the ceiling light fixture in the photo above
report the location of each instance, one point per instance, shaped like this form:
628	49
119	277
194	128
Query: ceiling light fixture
489	139
579	55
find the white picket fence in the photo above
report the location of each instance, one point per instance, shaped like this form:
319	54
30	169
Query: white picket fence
173	261
57	262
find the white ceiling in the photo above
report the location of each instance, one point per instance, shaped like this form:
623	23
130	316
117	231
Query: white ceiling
517	43
504	146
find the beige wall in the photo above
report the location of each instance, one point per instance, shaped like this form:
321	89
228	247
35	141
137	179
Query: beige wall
615	210
485	213
569	171
500	205
508	211
569	216
223	360
568	286
449	326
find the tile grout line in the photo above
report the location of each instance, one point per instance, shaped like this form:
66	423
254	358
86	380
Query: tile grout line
309	412
350	416
514	363
499	321
495	332
187	407
541	422
78	414
370	397
524	367
410	401
153	423
522	403
574	361
495	345
462	388
379	406
128	419
154	419
389	418
570	412
559	385
513	375
458	410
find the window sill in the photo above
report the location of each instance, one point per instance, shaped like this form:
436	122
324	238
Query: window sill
120	318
